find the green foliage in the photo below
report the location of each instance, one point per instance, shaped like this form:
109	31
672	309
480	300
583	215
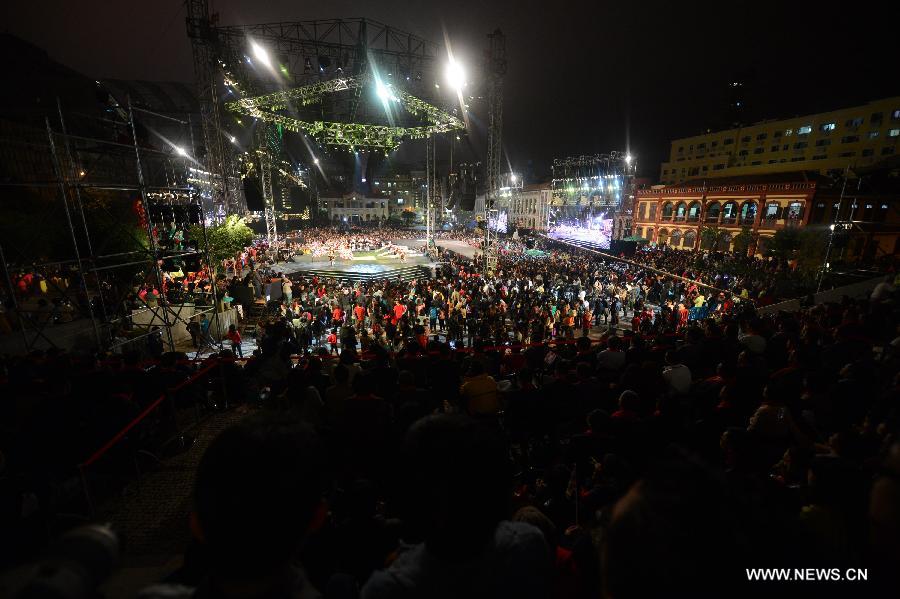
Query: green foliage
784	243
225	239
408	217
744	240
813	244
709	236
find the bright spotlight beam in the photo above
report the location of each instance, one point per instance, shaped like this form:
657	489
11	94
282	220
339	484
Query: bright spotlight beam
455	75
260	54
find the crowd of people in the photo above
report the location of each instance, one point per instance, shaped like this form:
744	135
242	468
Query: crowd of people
558	429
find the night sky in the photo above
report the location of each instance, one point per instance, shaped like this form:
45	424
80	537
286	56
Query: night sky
583	77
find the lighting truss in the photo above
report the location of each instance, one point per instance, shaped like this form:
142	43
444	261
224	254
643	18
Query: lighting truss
349	135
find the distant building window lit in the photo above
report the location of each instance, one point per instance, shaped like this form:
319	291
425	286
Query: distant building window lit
827	127
849	139
788	132
895	116
873	134
804	130
893	132
854	123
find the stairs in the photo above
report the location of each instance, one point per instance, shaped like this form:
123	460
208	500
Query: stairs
404	272
252	317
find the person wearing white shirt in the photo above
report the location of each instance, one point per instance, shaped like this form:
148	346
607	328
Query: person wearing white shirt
676	375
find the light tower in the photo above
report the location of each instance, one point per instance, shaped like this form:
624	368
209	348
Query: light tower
495	69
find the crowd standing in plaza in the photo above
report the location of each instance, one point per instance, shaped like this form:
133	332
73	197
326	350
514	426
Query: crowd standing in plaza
559	429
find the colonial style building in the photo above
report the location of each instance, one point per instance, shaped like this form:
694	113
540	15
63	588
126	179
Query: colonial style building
528	208
676	215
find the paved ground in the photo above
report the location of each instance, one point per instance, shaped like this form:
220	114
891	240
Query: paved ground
152	516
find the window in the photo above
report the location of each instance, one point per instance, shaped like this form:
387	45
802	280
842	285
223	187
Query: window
691	148
773	149
798	159
712	212
772	210
827	127
693	214
788	132
887	151
681	150
773	161
847	154
819	157
730	212
854	123
756	163
759	150
850	139
804	130
776	135
718	167
665	172
743	153
873	134
893	132
667	211
681	211
701	146
785	146
705	168
713	144
652	215
745	139
895	116
762	136
728	141
800	145
876	117
823	142
795	211
868	152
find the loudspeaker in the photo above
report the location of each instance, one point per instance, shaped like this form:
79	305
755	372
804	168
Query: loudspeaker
253	195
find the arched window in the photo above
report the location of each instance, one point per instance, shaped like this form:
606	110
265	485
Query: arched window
748	213
712	212
729	212
662	237
667	211
689	240
675	239
693	213
681	211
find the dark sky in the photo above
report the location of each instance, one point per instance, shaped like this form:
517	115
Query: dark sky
582	75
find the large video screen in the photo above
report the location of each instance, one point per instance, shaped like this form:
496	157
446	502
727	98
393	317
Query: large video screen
597	232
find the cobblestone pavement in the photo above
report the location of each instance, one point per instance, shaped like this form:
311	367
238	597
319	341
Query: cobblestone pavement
152	516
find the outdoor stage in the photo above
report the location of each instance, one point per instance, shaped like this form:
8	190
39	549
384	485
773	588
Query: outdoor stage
376	264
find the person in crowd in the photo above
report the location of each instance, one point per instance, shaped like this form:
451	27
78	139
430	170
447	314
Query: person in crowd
456	480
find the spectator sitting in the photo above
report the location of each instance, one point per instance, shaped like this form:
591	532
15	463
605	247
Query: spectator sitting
676	375
479	392
257	495
457	481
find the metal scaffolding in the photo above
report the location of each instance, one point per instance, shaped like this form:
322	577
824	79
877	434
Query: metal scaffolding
80	231
494	70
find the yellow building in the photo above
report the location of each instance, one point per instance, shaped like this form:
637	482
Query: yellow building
850	137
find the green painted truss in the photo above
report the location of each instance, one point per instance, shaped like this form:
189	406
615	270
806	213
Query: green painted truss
350	135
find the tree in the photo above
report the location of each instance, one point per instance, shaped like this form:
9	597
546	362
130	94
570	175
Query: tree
744	240
813	244
408	216
225	240
708	237
784	243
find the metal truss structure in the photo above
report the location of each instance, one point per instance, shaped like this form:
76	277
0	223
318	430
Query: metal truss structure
94	208
319	70
494	71
350	135
584	186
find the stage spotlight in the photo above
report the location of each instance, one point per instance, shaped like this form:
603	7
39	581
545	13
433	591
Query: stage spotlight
628	158
260	54
455	75
180	151
383	91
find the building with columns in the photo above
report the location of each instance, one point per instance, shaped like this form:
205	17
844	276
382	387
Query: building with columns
675	215
528	207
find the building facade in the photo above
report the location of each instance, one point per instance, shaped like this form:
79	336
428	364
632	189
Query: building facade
849	138
355	209
529	207
868	220
675	215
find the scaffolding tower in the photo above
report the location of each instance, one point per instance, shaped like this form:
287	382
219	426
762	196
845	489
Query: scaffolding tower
495	70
